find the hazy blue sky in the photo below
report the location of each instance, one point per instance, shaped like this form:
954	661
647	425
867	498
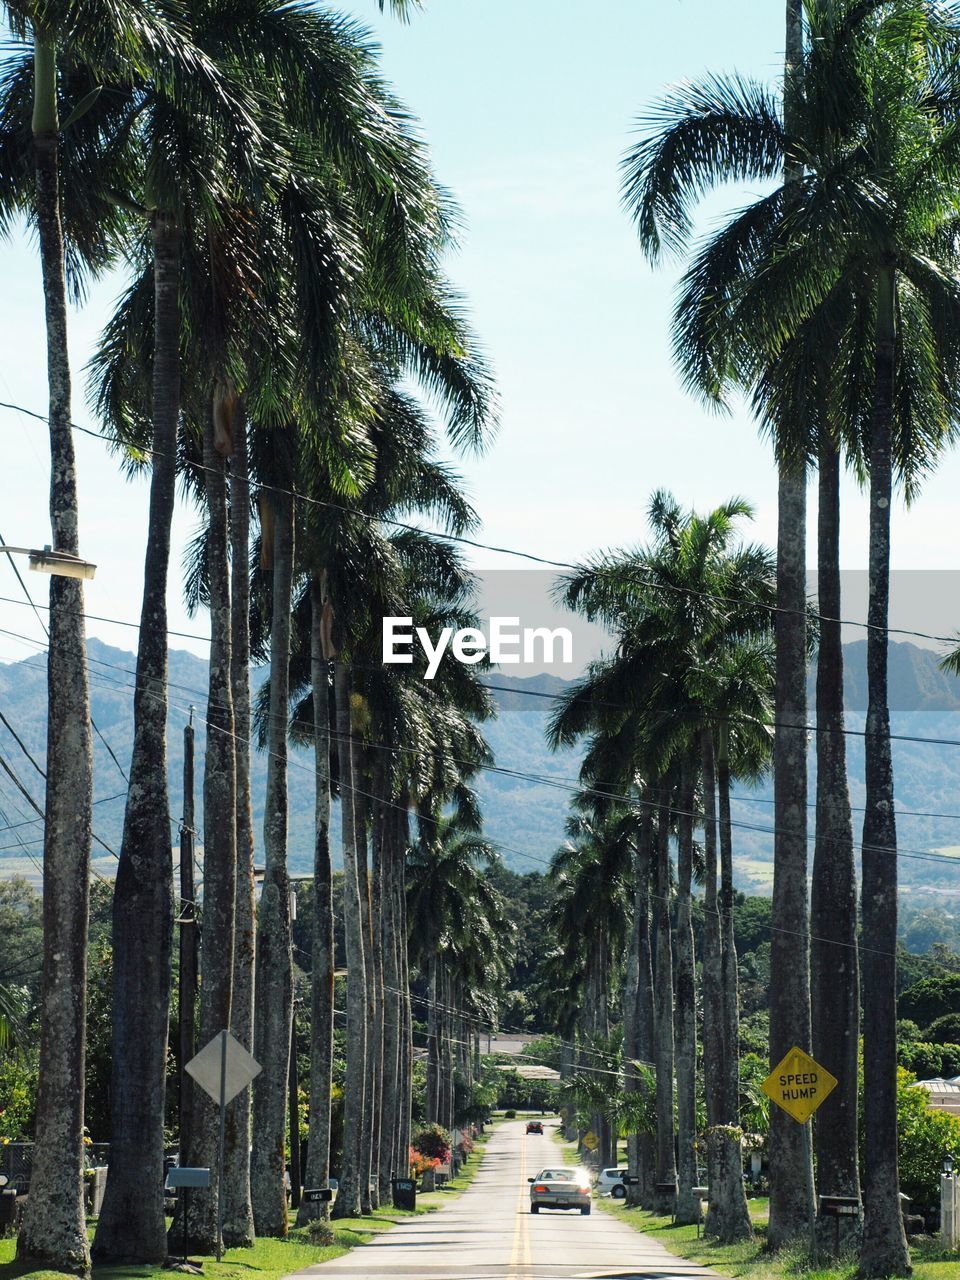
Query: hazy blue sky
528	106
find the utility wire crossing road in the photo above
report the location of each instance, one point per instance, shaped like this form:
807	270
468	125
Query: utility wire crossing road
488	1233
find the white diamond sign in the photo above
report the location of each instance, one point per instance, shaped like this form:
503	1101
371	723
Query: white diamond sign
223	1068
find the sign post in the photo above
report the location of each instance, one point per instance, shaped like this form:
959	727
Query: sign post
223	1069
798	1085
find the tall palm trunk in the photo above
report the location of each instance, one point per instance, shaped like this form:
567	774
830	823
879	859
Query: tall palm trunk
884	1249
404	1119
375	1045
713	1044
791	1169
685	1011
791	1166
730	981
322	985
348	1201
391	1074
219	848
607	1148
835	974
641	1145
274	1004
432	1113
733	1217
54	1227
131	1227
447	1022
238	1227
361	812
728	1218
631	1013
665	1194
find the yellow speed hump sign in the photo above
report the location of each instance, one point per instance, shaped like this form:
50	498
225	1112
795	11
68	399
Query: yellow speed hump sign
799	1084
590	1140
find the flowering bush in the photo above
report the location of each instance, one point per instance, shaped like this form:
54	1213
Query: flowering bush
465	1145
433	1140
420	1164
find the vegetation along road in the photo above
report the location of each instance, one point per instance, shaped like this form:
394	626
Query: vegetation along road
488	1233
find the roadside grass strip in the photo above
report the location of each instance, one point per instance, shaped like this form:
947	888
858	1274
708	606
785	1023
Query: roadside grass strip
751	1259
273	1259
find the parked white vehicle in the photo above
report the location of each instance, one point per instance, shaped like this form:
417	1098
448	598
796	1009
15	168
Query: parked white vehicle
610	1183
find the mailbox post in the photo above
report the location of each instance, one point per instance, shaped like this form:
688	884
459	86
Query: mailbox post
837	1207
182	1179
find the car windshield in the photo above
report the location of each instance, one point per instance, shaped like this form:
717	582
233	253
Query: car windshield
559	1175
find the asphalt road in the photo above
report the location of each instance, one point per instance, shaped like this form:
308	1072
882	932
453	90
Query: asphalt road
488	1232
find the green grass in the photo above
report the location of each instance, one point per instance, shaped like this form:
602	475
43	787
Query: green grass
267	1260
751	1259
273	1259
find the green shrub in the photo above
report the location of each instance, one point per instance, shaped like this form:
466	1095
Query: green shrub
510	1114
320	1232
926	1136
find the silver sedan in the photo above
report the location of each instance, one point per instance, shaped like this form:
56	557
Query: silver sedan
557	1188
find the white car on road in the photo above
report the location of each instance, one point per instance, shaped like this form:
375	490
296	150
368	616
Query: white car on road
610	1183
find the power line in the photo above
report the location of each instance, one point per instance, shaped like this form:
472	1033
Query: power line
569	786
546	561
527	693
31	822
629	800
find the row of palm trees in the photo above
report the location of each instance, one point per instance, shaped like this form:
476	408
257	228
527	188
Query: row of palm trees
284	235
832	303
679	709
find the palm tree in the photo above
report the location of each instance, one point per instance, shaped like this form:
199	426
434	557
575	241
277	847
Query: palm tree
332	93
834	961
274	974
449	899
680	610
238	1225
590	875
638	1000
59	41
131	1225
323	953
362	575
882	288
736	690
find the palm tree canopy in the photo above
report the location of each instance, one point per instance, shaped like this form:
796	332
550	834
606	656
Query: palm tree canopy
781	301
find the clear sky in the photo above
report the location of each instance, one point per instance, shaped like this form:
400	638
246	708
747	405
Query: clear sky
528	106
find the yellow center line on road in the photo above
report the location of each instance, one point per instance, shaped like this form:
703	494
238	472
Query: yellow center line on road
520	1253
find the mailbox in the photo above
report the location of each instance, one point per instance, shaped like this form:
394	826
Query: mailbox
839	1207
317	1195
182	1176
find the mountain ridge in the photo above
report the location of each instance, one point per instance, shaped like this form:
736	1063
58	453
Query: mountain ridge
523	816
